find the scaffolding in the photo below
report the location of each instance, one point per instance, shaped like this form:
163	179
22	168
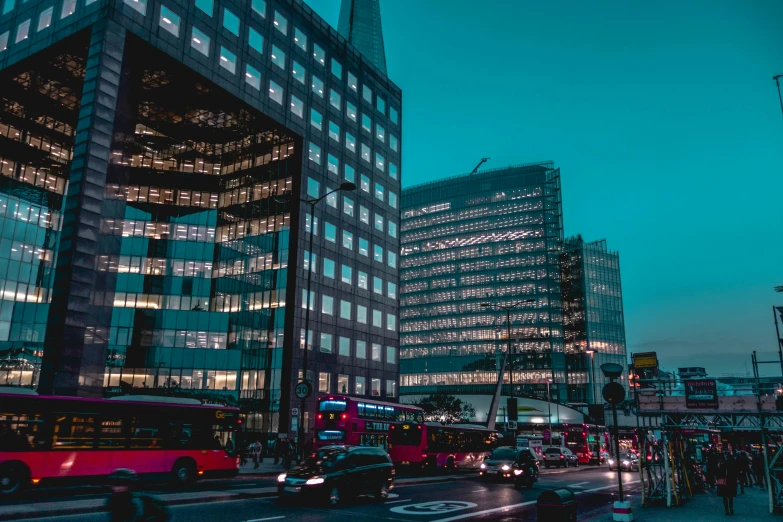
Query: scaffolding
672	436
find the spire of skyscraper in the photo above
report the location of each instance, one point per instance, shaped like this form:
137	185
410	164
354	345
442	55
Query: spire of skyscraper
360	24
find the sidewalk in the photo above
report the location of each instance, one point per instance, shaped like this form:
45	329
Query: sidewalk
267	467
750	507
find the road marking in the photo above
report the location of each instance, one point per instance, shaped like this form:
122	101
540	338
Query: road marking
477	513
523	504
609	487
398	501
436	507
478	491
578	484
261	519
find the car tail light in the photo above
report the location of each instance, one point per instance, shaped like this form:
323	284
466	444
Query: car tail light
562	456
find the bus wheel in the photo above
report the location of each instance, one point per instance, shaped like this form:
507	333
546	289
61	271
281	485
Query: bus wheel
14	476
183	472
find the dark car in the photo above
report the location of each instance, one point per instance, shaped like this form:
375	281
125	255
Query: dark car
339	473
628	462
560	457
519	464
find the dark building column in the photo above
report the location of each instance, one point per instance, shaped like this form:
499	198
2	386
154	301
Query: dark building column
79	318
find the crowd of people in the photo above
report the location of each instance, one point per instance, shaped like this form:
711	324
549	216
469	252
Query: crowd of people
283	452
730	470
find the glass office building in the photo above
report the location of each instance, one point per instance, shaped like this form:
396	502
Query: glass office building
593	316
471	245
152	236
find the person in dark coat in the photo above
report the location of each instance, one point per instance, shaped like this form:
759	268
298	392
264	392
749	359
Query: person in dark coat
727	478
713	458
742	469
758	468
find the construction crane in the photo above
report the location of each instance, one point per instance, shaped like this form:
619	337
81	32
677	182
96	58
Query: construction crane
483	161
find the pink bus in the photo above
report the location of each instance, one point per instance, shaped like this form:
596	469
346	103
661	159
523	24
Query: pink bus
431	445
50	439
359	422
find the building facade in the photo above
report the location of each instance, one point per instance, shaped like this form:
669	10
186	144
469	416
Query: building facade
469	246
593	316
154	158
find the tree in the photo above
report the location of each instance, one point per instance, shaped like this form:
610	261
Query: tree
442	407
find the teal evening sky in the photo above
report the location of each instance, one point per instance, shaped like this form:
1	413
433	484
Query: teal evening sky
664	120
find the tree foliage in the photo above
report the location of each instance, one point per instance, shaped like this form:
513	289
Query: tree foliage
442	407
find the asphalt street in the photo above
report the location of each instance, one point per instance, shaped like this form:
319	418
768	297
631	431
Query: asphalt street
466	498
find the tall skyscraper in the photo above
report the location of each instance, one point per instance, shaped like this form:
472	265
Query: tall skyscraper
153	239
592	315
360	24
471	245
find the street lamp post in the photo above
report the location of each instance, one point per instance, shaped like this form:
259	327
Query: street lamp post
549	402
508	309
346	187
592	372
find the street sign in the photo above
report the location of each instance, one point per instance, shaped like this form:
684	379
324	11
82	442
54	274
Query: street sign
294	412
303	390
701	394
645	360
511	425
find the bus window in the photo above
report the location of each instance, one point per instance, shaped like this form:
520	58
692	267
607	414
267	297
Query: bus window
146	434
20	432
73	431
370	411
389	412
331	405
360	408
111	435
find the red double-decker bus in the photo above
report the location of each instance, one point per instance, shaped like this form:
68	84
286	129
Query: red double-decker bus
46	439
586	441
431	445
359	422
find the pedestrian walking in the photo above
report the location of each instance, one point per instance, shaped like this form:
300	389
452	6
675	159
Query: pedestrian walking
281	448
713	458
727	481
255	452
742	469
758	469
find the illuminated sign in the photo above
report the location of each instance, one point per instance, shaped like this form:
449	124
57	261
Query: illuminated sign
645	360
406	426
701	394
376	426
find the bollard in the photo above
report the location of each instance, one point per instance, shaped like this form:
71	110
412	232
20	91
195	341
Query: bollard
622	512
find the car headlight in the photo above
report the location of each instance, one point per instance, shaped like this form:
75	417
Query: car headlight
281	477
505	467
518	471
483	466
626	463
610	461
314	481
